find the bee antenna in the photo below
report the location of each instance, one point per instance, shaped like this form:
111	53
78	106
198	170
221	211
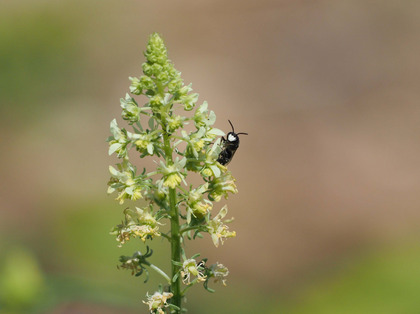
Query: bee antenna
242	133
233	130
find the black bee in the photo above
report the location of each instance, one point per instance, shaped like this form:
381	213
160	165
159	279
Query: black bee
230	145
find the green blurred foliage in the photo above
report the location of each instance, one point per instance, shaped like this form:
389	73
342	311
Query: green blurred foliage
21	280
383	281
39	60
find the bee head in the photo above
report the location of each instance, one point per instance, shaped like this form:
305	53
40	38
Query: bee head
233	137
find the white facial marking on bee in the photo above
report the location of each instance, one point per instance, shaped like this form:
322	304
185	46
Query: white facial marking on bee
231	138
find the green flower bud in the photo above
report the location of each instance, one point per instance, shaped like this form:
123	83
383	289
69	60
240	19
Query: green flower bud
118	141
189	101
175	85
156	69
174	123
131	111
202	118
147	69
156	102
135	87
147	83
162	77
156	50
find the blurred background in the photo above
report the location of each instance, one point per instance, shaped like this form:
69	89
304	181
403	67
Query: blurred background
327	216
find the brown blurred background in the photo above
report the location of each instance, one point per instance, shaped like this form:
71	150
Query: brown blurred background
327	215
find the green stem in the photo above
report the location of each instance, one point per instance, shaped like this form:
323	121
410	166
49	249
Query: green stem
175	232
175	248
161	272
166	236
189	228
187	287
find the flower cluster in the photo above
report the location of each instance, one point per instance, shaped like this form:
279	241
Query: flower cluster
197	205
189	269
158	131
221	186
131	111
127	183
172	174
157	301
119	140
217	229
219	272
139	223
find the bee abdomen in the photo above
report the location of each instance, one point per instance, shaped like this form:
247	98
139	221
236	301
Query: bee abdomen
225	156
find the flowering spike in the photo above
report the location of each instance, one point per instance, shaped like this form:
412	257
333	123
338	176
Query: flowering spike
157	108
